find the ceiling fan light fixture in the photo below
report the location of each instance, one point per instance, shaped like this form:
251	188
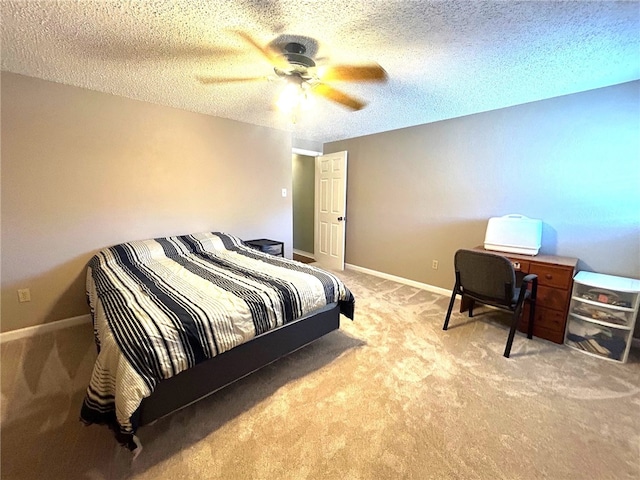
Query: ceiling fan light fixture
295	98
289	98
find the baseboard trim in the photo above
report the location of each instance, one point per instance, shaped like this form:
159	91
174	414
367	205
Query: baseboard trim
73	321
405	281
303	253
44	328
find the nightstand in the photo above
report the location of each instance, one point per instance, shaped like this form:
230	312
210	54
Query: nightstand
272	247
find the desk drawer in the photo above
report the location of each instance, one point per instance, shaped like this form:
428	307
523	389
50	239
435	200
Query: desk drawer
549	321
520	265
553	298
551	335
552	276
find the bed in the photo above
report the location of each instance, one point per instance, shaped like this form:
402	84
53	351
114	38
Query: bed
177	318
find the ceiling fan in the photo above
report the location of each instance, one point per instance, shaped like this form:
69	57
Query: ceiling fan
293	62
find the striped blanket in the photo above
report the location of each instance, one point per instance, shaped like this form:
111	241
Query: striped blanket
161	306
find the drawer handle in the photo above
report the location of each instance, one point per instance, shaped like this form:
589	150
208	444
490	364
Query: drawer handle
548	276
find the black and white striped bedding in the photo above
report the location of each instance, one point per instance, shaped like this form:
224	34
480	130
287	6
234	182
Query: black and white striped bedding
163	305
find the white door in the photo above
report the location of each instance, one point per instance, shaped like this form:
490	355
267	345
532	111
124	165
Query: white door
330	210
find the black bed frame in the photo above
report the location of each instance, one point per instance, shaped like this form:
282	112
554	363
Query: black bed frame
211	375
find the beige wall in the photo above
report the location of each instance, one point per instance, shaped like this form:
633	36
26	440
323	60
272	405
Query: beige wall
82	170
303	202
420	193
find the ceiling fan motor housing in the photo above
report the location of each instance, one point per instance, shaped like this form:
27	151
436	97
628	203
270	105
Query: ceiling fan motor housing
294	52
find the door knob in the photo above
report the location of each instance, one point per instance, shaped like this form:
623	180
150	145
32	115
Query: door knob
342	219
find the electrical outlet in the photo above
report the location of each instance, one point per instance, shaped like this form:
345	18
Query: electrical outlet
434	264
24	295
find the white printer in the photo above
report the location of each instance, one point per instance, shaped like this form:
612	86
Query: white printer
514	234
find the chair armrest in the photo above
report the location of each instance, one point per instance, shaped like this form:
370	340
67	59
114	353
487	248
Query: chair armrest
533	279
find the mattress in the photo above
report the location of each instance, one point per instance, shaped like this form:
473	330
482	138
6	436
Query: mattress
161	306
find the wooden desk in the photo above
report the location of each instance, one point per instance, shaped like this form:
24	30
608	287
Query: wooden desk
555	280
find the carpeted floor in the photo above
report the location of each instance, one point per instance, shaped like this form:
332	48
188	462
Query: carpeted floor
389	396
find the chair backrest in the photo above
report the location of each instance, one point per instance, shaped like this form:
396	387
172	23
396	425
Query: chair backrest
486	276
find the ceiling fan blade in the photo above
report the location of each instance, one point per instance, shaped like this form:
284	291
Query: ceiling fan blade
112	48
273	56
337	96
210	80
353	73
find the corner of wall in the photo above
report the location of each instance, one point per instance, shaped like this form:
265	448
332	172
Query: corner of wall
306	147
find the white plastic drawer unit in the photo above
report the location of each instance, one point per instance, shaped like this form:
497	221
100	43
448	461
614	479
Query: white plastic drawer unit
514	234
602	315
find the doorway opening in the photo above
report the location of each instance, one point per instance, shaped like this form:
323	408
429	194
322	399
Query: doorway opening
302	197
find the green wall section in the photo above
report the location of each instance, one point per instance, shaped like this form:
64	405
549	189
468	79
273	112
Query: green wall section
303	198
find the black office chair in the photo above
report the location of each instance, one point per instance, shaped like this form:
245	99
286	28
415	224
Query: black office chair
490	279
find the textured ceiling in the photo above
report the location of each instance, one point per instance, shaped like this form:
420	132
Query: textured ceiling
444	58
